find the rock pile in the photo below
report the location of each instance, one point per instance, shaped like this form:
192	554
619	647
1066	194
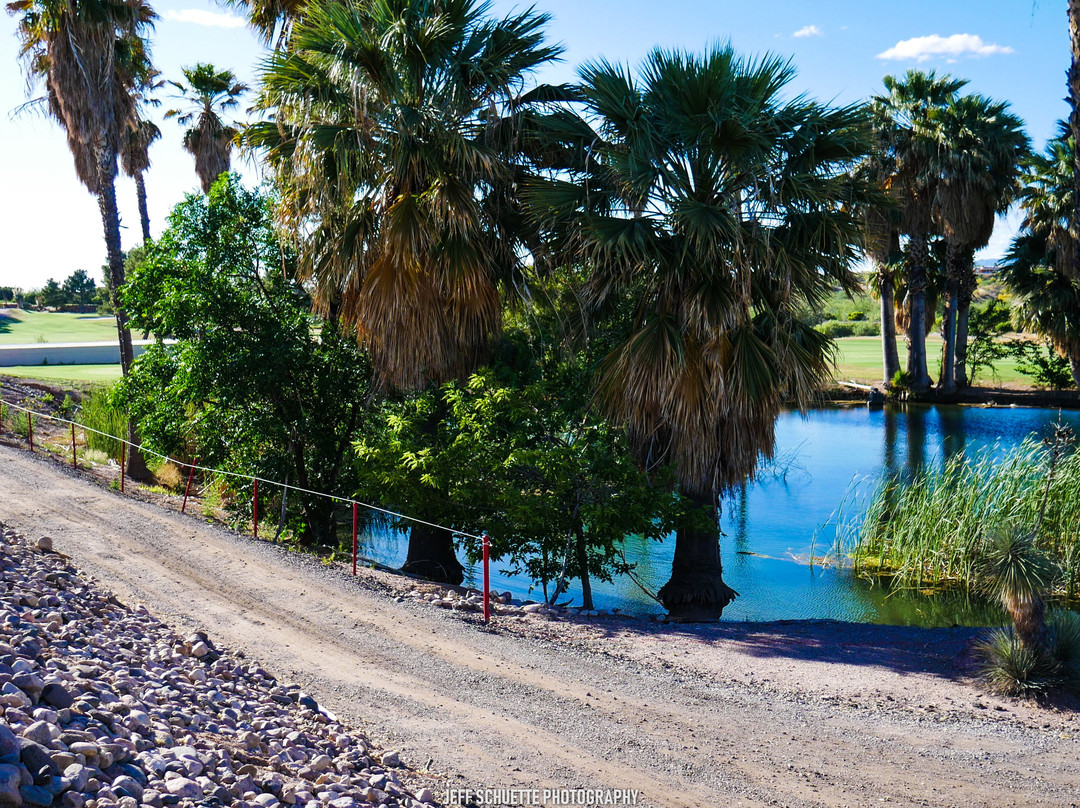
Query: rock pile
106	707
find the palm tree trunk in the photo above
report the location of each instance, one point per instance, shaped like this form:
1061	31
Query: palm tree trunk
1074	114
1074	366
947	382
965	292
918	256
144	216
890	356
431	555
696	590
110	220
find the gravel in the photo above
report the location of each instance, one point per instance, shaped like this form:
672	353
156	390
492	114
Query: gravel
107	707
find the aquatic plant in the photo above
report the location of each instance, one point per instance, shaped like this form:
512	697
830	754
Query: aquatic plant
935	529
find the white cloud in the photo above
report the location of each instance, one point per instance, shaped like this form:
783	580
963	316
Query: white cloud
921	48
808	30
198	16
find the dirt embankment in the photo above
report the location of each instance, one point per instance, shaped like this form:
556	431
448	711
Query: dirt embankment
734	714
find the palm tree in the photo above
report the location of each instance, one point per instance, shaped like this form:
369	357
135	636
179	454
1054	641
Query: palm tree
882	245
980	147
135	146
902	120
90	55
1040	266
273	20
719	208
211	93
387	143
1074	112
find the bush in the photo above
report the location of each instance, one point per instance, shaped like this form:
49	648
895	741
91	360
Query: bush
1011	669
857	328
836	329
856	316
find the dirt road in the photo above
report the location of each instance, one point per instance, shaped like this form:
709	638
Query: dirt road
803	714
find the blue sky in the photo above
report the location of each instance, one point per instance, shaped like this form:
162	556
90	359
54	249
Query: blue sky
1015	50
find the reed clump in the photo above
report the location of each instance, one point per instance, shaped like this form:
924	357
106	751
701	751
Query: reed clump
99	413
933	530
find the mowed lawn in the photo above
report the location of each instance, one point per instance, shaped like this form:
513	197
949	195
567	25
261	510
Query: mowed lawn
19	327
87	374
859	359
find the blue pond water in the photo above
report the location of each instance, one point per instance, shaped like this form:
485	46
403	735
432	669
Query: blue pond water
827	459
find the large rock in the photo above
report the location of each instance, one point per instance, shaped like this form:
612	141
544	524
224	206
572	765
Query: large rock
9	745
55	695
10	779
184	789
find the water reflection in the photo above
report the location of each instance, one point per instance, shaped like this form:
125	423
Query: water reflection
772	526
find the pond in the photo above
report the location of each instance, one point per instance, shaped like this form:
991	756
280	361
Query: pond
773	527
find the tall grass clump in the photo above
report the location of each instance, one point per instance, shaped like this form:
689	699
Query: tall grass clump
935	528
98	412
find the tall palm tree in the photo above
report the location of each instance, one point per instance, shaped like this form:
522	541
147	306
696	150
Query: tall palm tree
882	246
1040	266
90	55
902	119
980	148
211	93
1074	111
387	143
141	133
720	208
135	159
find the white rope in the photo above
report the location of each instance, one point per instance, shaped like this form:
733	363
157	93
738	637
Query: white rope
243	476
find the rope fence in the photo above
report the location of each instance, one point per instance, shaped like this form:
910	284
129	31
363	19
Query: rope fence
255	480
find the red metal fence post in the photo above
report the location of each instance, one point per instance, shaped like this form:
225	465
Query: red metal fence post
255	508
123	462
187	488
354	520
487	578
30	428
74	462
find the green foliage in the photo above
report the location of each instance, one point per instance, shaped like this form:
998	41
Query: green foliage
1012	669
51	294
986	325
254	384
834	329
99	411
856	316
79	288
517	452
901	380
1040	361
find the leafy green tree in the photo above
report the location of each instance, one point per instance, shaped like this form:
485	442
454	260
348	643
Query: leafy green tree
52	294
518	454
719	209
79	288
254	383
210	93
7	293
989	324
385	133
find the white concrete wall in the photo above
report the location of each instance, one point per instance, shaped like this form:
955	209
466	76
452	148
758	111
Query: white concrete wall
66	353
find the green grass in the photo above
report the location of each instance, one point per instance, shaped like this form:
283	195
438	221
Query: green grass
19	327
936	528
103	374
859	359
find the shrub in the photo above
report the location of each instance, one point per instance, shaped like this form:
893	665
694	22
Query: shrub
856	316
836	329
1011	669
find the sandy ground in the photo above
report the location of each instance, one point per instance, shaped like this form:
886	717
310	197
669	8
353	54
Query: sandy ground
792	714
